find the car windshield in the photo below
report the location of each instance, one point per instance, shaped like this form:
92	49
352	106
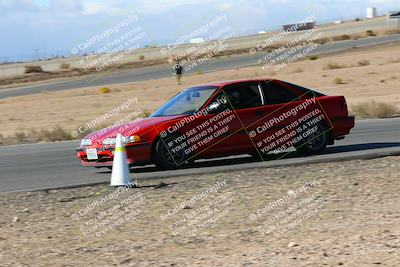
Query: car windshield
186	102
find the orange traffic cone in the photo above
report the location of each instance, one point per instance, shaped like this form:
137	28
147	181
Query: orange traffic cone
120	175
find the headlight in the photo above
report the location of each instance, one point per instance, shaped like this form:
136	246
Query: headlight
109	141
130	139
125	140
86	142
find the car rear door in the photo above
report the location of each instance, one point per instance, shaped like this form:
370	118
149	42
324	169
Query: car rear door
276	127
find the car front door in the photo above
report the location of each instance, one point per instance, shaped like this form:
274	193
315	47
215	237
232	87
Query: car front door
242	105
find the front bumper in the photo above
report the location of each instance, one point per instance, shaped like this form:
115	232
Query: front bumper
137	154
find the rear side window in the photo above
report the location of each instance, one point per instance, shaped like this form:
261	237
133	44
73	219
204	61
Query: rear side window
243	95
276	94
305	92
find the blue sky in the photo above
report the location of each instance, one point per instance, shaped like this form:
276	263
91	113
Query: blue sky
41	28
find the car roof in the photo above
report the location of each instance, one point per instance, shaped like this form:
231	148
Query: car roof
223	83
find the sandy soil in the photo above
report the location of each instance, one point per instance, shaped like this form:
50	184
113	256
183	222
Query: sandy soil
343	213
380	81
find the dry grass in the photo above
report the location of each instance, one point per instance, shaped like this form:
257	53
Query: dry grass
341	38
64	66
356	36
105	90
334	66
370	33
363	63
298	70
390	31
33	69
375	110
43	135
337	80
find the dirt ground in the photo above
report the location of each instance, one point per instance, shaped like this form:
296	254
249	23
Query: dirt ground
379	80
338	213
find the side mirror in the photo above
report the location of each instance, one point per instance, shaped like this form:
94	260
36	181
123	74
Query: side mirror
216	107
213	106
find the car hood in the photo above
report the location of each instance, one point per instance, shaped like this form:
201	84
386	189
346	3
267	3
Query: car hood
136	127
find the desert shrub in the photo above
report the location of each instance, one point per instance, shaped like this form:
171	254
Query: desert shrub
141	57
298	70
64	66
337	80
52	134
341	37
390	31
375	110
313	57
146	113
370	33
104	90
356	36
198	72
322	40
20	136
363	63
59	134
334	66
33	69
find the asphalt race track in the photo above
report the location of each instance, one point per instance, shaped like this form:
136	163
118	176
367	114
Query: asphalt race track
53	165
141	74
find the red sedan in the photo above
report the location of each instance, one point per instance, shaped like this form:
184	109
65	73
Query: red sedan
226	118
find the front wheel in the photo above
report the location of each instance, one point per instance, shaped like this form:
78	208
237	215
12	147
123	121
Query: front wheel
315	142
168	157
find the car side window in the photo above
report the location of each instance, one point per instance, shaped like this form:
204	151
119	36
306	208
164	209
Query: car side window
243	95
274	93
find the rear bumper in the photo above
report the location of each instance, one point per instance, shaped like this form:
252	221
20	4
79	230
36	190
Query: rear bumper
342	126
138	154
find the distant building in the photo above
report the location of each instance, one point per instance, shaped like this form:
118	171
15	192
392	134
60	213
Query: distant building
393	19
299	26
196	40
371	12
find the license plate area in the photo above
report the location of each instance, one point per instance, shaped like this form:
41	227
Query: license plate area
91	154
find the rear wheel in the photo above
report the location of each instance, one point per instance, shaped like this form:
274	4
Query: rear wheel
315	142
168	158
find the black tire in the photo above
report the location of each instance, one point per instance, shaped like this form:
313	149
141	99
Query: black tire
315	143
164	158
